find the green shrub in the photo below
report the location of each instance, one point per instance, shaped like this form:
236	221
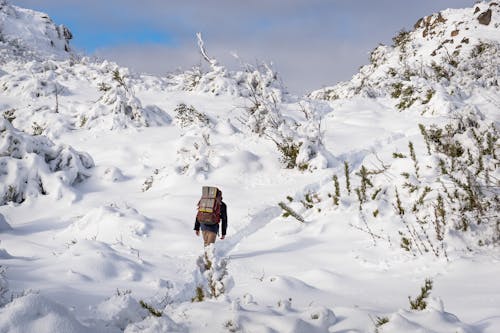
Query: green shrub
199	295
151	310
347	177
419	302
289	151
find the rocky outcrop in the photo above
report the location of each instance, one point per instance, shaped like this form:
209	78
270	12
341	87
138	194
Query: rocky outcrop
485	17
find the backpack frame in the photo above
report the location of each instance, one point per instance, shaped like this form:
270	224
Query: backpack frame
209	205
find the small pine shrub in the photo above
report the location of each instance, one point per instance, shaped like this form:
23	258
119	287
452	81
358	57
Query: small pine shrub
428	96
397	89
148	183
83	120
419	303
199	295
440	72
480	49
424	133
37	129
287	211
405	95
119	79
289	151
310	200
336	197
414	159
420	201
405	243
208	262
152	310
398	155
380	321
399	205
375	194
365	182
347	177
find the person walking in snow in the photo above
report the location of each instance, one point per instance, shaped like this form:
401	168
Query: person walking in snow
210	230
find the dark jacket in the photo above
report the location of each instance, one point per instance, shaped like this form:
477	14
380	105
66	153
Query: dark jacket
215	227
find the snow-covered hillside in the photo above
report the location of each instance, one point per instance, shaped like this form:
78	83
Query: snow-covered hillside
29	34
371	206
446	57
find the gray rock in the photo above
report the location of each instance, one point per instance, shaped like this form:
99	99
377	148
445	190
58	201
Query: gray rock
485	18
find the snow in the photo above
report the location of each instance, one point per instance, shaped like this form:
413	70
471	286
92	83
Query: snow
108	166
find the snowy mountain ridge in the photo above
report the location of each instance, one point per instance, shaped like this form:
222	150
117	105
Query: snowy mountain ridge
28	33
341	204
448	54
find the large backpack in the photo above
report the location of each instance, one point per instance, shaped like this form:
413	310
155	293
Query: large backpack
209	205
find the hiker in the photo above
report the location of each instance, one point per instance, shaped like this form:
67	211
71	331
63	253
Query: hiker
210	229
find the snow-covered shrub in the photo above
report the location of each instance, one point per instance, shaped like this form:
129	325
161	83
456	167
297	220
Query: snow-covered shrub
194	153
120	311
33	165
249	80
452	203
188	115
33	86
214	280
119	107
299	144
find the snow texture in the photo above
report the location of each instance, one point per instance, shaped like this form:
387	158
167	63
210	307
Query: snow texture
388	180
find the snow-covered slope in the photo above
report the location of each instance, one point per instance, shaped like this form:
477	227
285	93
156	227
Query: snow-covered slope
446	58
341	207
28	33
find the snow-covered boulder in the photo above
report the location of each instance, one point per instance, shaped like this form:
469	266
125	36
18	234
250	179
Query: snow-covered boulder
32	165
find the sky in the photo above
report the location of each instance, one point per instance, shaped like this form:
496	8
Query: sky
311	43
